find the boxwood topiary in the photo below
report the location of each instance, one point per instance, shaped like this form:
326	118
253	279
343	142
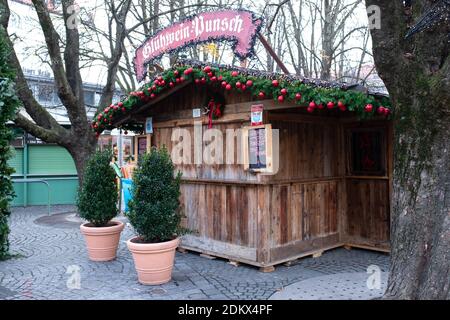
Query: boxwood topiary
154	208
97	197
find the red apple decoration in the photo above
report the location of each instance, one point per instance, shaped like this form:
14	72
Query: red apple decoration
312	105
224	84
310	109
207	69
275	83
234	74
228	87
330	105
261	95
249	83
280	98
320	106
341	104
238	84
368	108
283	91
298	96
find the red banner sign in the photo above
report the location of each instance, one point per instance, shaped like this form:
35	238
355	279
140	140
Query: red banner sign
237	26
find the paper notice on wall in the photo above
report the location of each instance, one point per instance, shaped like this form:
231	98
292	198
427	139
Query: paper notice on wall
257	114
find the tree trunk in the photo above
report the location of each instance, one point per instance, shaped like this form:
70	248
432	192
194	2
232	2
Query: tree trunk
417	75
81	150
420	237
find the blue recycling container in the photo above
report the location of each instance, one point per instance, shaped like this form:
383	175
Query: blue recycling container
127	185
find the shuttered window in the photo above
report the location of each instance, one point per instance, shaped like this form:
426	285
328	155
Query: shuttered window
49	160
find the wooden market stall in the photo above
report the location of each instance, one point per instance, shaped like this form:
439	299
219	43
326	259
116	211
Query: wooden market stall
330	183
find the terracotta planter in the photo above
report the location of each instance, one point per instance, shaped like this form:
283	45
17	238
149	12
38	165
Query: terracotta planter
102	242
153	261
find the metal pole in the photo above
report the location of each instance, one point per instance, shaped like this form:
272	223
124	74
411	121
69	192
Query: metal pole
272	53
120	146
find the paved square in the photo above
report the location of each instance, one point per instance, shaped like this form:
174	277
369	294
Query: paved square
52	257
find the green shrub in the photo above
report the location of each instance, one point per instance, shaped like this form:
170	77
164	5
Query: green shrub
97	197
154	208
8	105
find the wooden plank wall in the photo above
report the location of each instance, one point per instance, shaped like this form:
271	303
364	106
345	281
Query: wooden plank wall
368	212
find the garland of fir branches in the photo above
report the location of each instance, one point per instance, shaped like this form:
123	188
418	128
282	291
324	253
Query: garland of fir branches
310	94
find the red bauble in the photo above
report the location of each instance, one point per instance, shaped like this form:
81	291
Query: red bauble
320	106
123	109
188	71
171	84
275	83
176	73
177	80
197	81
380	110
330	105
220	78
162	83
249	83
342	107
210	74
386	111
181	79
234	74
340	104
120	104
280	98
149	89
160	79
310	109
224	84
298	96
203	80
283	91
228	87
312	105
368	108
153	87
152	96
243	87
207	69
99	116
261	95
214	79
238	84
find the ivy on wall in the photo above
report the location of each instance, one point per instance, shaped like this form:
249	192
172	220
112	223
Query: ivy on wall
8	106
310	94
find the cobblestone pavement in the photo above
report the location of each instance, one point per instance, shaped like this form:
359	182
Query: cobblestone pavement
48	251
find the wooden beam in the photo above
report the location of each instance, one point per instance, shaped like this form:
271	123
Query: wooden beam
272	53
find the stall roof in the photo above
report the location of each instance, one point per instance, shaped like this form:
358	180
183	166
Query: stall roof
305	92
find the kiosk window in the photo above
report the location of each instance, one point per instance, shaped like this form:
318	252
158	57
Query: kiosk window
367	156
